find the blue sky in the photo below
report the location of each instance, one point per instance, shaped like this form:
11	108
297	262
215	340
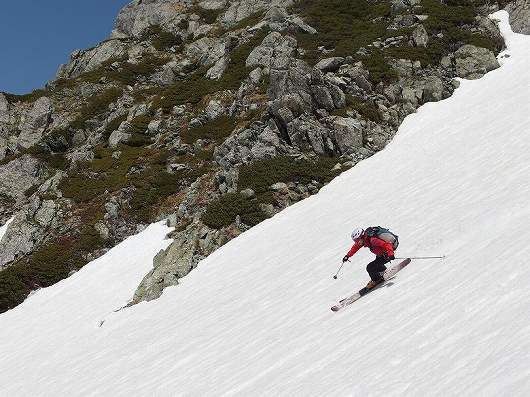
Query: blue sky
36	36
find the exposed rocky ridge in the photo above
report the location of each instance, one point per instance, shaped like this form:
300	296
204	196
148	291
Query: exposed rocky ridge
519	11
216	115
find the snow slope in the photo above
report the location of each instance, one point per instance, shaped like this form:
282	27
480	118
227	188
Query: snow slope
253	319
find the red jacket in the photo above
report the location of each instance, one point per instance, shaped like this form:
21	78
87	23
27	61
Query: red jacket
377	246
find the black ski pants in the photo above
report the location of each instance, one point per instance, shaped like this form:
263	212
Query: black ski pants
376	267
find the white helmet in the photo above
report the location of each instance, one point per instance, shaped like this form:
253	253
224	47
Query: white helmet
357	232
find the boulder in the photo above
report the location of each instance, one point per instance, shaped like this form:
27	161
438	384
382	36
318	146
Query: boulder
420	36
347	133
329	64
474	62
433	89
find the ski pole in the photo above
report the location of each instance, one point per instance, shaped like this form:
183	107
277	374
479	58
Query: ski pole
424	257
338	271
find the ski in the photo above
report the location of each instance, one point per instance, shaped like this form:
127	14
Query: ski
389	273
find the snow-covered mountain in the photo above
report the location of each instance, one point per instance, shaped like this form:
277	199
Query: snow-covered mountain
253	319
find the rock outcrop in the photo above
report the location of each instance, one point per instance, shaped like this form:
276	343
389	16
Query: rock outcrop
215	115
519	11
474	62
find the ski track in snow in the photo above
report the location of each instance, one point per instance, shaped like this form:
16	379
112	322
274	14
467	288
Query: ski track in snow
253	319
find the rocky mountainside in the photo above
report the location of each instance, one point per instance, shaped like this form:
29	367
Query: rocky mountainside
216	115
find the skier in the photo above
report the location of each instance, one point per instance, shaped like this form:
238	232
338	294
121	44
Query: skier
382	243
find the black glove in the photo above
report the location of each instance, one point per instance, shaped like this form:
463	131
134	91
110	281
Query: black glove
345	259
388	258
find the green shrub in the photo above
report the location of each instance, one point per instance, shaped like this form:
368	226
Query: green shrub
251	20
448	18
139	123
53	160
222	212
31	97
113	125
126	72
46	266
216	130
97	106
161	39
379	69
344	26
208	16
260	175
367	109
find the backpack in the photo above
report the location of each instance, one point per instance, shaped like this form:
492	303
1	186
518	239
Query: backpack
383	234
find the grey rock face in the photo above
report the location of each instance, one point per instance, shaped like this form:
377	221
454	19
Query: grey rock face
250	144
474	62
519	11
139	15
433	89
420	36
329	64
19	175
118	137
19	239
241	9
276	51
217	70
347	133
4	109
206	50
85	61
308	134
27	229
35	122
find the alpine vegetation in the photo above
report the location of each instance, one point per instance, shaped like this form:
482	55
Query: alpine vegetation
215	115
254	318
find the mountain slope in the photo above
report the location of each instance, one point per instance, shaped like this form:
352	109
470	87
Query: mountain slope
254	318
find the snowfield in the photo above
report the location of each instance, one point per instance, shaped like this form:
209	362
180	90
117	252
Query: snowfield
254	318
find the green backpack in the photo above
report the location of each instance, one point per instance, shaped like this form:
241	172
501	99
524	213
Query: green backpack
383	234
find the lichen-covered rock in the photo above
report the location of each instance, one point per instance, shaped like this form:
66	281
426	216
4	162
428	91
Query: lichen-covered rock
329	64
433	89
241	9
17	176
206	50
35	122
276	52
27	229
519	11
420	36
347	133
474	62
4	109
88	60
135	18
257	142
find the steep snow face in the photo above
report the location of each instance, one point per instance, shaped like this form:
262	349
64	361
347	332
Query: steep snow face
254	318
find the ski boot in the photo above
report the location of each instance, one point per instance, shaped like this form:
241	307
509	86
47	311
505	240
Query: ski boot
374	283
